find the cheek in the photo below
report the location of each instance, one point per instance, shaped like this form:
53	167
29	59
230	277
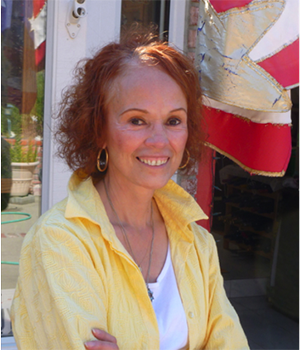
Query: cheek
186	138
119	141
181	141
124	142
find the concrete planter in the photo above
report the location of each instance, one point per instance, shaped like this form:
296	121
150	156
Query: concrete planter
22	174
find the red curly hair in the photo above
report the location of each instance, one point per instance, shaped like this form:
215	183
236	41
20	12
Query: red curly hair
83	109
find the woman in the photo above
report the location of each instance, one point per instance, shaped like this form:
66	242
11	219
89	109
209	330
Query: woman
120	263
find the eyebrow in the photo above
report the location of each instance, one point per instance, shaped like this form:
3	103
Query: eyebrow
145	111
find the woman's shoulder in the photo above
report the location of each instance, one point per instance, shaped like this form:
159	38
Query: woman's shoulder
53	217
52	222
204	240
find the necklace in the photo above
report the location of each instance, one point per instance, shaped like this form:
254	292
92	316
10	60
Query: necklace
150	293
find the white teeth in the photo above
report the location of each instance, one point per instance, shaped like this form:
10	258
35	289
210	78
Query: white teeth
153	162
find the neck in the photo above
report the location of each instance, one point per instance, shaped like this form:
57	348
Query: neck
133	205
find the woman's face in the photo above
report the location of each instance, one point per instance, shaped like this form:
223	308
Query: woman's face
146	127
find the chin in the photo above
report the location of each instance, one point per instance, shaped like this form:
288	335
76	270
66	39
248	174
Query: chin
154	184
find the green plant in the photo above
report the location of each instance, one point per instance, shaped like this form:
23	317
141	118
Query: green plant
10	112
31	154
39	105
19	155
16	150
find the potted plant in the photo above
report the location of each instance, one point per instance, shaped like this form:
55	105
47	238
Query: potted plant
23	163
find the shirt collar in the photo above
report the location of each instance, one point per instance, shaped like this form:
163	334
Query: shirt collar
84	201
178	208
173	202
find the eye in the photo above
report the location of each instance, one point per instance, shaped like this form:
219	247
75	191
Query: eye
174	121
137	121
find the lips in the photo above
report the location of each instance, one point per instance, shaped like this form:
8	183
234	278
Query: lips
153	162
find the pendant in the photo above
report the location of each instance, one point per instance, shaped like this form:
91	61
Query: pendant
150	293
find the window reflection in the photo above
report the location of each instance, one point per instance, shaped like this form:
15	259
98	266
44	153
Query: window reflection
146	12
256	226
23	34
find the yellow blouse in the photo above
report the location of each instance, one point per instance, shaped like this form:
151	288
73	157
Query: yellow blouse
75	275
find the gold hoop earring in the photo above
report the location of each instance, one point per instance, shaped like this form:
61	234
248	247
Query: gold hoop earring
188	159
102	164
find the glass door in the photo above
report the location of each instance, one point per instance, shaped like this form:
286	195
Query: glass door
23	40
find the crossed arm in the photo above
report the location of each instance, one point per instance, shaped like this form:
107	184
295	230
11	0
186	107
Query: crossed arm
105	341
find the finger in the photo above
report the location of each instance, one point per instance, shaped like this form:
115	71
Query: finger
100	345
104	336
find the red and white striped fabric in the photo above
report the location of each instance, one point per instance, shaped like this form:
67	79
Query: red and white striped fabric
248	58
38	26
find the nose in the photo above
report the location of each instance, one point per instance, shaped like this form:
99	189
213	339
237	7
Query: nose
157	136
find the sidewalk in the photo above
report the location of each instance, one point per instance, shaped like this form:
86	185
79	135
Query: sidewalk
12	236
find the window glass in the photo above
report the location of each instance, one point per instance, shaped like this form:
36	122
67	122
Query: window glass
256	227
146	12
23	34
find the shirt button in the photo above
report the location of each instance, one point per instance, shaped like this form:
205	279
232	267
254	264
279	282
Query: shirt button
191	314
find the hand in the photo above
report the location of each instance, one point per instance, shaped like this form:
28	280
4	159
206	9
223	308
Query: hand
105	341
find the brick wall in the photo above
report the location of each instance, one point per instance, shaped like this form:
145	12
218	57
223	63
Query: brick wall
189	183
192	28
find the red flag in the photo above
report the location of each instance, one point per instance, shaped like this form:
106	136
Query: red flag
38	26
248	56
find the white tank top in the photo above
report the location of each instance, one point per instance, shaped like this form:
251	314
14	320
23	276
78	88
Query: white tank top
167	304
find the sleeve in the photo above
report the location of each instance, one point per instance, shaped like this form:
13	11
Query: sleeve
60	295
224	330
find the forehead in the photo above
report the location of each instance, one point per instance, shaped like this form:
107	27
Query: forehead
138	77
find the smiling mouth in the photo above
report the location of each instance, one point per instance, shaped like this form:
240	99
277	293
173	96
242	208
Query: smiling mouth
153	162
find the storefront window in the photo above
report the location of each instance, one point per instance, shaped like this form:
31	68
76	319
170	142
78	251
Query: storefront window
255	223
23	34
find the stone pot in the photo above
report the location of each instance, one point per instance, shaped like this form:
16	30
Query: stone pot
22	174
